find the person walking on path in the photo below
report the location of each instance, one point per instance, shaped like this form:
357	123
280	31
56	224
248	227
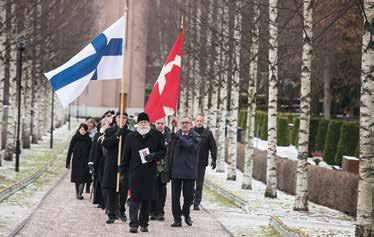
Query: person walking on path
158	205
78	153
207	143
183	162
91	123
143	148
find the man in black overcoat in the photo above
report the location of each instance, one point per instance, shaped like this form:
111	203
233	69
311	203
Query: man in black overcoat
157	205
207	144
144	147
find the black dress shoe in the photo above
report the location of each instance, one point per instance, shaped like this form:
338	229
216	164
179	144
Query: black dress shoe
188	221
196	208
133	230
176	224
110	220
153	217
122	216
144	229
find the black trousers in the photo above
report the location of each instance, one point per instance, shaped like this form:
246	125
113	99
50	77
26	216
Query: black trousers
111	202
139	213
158	205
199	185
123	197
188	189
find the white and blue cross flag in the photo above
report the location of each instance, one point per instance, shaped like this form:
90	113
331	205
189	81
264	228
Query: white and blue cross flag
102	59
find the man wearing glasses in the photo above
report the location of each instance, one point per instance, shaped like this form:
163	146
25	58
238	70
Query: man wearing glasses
183	162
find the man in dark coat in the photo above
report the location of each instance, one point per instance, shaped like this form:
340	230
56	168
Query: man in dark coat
96	168
183	163
79	148
157	205
144	147
109	182
207	143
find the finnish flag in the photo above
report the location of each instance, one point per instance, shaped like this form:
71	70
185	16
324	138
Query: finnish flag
102	59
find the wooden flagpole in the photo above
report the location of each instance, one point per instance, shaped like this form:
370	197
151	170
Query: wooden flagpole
122	94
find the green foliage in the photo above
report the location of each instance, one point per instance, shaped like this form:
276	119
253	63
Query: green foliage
331	143
357	149
242	118
283	135
264	126
321	134
295	132
349	133
313	129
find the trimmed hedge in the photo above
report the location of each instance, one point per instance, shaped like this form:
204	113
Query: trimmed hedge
313	129
331	143
321	134
242	118
264	126
348	141
295	132
283	135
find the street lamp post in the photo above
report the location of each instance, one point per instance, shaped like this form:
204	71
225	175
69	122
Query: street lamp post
20	49
52	119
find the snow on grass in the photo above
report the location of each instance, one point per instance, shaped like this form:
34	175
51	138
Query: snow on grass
319	221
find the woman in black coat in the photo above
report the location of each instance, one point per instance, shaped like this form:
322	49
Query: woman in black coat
80	148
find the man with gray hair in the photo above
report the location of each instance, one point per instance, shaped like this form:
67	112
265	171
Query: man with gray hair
183	163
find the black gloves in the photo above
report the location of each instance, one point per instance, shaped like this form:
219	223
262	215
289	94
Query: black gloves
120	132
67	166
150	157
213	164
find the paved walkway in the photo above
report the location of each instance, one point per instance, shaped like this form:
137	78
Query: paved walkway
63	215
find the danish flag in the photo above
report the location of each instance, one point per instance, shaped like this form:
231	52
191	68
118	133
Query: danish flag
163	99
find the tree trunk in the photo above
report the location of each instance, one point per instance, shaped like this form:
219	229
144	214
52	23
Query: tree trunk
271	171
364	224
222	100
327	97
252	83
234	34
301	198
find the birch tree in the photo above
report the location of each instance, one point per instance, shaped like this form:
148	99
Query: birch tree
271	170
234	35
222	101
301	198
365	218
250	129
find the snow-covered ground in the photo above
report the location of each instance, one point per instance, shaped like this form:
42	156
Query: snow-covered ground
318	221
17	207
289	152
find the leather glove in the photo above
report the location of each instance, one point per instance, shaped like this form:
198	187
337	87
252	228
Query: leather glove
150	157
213	164
120	132
91	167
67	166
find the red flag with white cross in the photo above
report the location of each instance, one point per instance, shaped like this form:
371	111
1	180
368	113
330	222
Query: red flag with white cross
163	99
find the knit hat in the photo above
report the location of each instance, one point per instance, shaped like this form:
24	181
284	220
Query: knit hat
142	117
123	113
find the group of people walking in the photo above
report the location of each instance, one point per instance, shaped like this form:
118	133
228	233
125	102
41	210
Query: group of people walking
150	156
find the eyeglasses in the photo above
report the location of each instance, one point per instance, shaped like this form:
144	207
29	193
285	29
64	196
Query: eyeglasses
185	122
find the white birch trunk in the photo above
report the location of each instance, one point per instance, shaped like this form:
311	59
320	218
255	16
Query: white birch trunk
364	224
222	101
301	197
271	170
235	95
250	130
